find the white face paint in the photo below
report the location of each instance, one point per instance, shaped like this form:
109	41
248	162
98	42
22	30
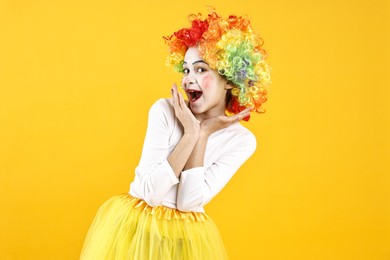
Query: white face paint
205	87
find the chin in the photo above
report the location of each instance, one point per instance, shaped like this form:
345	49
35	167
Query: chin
197	108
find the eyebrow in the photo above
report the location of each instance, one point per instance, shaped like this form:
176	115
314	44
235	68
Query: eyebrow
197	62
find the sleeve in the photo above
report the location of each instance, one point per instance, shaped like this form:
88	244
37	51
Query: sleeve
154	176
198	185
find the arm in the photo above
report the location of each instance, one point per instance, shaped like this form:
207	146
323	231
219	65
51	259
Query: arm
154	175
199	185
208	127
197	156
179	157
182	152
159	170
194	189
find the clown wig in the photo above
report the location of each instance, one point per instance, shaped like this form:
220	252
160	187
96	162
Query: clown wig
234	50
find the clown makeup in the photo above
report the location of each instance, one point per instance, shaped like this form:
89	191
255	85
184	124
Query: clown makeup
205	87
199	67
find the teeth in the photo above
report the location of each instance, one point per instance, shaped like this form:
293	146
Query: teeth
194	95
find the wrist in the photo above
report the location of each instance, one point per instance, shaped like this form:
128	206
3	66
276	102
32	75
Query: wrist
204	133
192	134
194	131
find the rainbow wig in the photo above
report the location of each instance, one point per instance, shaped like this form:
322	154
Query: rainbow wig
233	49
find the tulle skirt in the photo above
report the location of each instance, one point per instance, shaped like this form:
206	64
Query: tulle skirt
126	227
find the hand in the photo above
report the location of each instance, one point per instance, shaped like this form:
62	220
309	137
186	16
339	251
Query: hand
183	113
213	124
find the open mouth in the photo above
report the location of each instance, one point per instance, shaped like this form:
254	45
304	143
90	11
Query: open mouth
193	94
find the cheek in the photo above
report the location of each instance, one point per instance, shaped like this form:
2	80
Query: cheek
207	82
184	81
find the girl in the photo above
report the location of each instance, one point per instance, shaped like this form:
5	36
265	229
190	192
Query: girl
191	149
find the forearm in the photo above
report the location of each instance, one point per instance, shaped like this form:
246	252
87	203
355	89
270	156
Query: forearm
179	156
196	158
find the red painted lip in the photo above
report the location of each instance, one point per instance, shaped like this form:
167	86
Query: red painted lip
193	94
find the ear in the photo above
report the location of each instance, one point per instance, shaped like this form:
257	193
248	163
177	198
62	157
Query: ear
228	85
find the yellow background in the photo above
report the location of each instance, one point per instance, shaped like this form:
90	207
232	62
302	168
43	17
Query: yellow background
77	79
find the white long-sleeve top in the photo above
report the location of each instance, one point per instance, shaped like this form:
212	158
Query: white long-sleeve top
155	181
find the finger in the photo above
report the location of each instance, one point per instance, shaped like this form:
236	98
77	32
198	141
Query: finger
238	117
243	113
242	116
174	95
176	105
174	89
246	110
181	100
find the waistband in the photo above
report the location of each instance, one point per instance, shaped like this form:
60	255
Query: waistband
163	212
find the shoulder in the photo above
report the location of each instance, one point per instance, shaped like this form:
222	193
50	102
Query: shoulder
245	140
162	106
163	103
162	113
237	137
240	131
245	135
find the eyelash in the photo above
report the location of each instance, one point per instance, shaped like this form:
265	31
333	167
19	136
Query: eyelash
186	70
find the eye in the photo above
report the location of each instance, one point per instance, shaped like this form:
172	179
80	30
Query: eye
200	69
185	71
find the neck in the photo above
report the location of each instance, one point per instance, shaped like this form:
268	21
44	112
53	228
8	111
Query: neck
211	113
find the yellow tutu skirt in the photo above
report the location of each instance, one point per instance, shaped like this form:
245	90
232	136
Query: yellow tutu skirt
126	227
